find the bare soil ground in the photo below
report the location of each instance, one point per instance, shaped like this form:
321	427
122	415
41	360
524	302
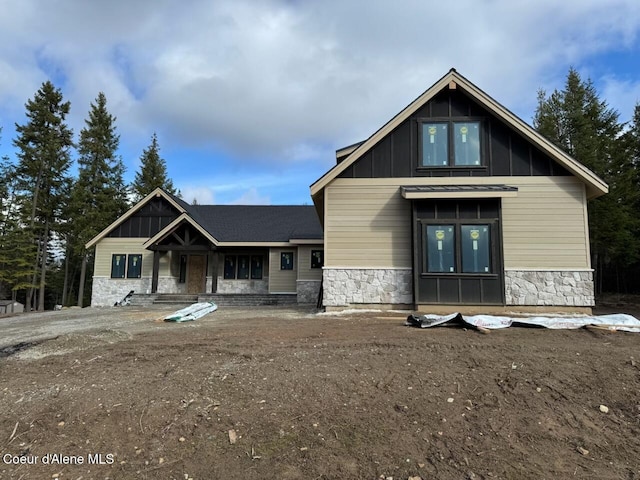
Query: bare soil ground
273	393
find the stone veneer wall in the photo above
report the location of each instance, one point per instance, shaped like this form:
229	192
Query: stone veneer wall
243	286
553	288
348	286
106	291
307	291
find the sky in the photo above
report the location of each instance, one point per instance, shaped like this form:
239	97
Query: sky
250	99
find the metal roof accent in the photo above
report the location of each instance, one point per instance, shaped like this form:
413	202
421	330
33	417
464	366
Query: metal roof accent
457	191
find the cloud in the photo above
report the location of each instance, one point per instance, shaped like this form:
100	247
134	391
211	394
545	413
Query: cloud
251	197
202	195
283	83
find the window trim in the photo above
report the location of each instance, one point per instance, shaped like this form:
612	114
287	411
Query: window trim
451	122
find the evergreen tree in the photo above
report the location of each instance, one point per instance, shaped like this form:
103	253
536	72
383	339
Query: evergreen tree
16	245
581	124
153	172
44	143
99	195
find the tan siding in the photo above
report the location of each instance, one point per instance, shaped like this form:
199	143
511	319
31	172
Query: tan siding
282	281
305	272
367	227
544	226
368	223
109	246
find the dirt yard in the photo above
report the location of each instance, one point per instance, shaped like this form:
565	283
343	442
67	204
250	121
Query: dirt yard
285	394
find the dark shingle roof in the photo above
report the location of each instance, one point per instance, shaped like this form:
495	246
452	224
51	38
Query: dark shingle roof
257	223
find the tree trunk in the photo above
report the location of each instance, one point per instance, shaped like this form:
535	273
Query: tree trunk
29	301
43	270
65	284
83	272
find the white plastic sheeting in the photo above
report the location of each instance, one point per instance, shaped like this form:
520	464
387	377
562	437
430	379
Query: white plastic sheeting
192	312
617	321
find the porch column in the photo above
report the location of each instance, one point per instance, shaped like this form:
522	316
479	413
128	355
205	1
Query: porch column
214	256
156	268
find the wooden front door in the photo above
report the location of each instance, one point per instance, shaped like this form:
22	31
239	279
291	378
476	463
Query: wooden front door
197	274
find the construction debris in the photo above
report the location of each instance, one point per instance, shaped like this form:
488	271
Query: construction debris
483	323
192	312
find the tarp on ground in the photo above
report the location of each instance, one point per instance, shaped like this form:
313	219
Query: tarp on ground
617	321
192	312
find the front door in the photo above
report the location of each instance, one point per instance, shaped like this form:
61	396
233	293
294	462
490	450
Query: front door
197	271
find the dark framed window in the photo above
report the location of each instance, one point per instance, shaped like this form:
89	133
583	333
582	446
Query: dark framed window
317	258
451	143
134	266
476	246
256	267
243	267
286	260
182	275
441	241
118	265
229	267
458	248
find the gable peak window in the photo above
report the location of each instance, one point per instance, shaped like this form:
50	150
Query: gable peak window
451	143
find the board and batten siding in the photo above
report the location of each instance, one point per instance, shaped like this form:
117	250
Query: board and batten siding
107	247
368	223
282	281
305	272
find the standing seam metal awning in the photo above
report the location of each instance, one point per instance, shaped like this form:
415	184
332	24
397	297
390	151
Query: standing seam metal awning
457	191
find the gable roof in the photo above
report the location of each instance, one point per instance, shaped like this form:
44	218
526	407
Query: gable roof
595	186
177	203
233	223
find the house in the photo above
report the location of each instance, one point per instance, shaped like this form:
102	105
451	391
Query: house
163	245
8	307
456	203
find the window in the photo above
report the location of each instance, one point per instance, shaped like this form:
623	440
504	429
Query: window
129	264
440	248
317	258
451	144
286	261
461	248
475	248
243	267
256	267
134	266
118	265
229	267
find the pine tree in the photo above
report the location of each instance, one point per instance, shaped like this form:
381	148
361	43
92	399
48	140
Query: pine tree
576	120
99	196
44	143
153	172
